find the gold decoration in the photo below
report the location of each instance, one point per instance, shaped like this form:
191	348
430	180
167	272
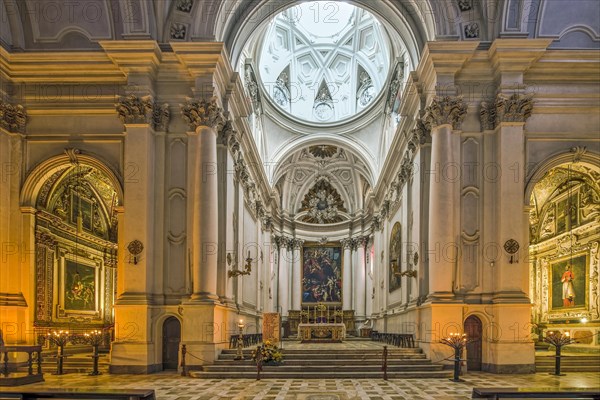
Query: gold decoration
323	151
322	204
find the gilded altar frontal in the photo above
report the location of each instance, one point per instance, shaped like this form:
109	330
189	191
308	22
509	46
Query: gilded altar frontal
281	190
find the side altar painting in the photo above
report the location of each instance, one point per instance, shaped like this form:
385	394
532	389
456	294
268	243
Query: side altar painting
80	287
321	274
568	282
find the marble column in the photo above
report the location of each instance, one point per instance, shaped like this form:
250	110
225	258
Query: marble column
138	279
360	283
347	274
297	274
443	116
283	278
206	118
511	279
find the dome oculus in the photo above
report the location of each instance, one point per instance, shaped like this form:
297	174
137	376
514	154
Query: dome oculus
324	61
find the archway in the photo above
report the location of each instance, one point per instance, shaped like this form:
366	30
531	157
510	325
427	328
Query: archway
473	329
75	225
564	200
171	336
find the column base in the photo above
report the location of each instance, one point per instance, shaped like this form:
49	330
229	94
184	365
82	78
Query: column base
441	297
202	298
510	297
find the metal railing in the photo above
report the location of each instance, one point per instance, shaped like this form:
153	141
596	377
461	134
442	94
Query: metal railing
30	350
249	340
394	339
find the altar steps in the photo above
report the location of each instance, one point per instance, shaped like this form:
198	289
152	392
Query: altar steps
570	363
327	364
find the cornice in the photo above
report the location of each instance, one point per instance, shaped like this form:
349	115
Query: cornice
134	56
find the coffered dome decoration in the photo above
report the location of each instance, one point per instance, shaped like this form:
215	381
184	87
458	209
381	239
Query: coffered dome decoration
322	204
324	61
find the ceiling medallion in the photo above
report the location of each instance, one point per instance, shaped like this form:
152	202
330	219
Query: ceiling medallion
323	151
322	204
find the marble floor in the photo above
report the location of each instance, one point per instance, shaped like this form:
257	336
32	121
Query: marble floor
171	386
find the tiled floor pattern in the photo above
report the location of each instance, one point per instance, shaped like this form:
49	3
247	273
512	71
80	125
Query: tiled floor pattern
170	386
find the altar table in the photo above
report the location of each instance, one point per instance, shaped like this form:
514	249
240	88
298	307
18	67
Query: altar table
324	332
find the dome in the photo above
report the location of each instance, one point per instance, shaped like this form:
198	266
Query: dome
324	62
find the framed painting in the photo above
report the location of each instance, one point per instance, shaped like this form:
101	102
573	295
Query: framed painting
80	287
395	279
568	283
322	274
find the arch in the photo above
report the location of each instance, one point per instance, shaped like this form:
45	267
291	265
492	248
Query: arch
564	157
296	144
41	172
473	327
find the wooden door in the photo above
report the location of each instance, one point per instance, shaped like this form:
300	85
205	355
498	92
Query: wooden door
171	339
473	329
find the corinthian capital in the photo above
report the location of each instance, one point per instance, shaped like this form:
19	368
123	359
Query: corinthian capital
516	108
297	243
160	116
203	113
487	115
346	243
143	110
13	118
133	109
445	110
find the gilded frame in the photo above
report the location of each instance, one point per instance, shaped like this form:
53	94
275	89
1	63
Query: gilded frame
580	263
339	277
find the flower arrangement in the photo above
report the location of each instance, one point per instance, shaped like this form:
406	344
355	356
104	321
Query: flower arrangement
267	353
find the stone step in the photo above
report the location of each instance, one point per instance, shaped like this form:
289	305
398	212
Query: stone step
281	374
578	363
323	368
336	356
357	352
332	362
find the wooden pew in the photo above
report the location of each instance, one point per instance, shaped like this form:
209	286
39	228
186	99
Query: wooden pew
535	393
76	394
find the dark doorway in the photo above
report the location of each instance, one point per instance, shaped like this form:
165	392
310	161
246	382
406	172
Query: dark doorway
171	339
474	332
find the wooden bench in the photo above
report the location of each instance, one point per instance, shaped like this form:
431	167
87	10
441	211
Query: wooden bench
76	394
535	393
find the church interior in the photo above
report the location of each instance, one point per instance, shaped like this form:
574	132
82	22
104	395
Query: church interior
185	180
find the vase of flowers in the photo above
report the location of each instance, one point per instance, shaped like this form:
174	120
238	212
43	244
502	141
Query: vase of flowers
267	354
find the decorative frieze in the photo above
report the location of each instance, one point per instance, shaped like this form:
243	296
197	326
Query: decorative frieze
395	87
203	112
143	110
251	86
13	118
445	110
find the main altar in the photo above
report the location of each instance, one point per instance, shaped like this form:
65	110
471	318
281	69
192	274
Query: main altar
321	332
321	323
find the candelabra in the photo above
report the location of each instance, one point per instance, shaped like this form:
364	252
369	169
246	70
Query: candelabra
558	340
95	338
240	341
60	339
458	342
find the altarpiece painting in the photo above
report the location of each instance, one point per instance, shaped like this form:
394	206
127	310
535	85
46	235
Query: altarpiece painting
322	274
